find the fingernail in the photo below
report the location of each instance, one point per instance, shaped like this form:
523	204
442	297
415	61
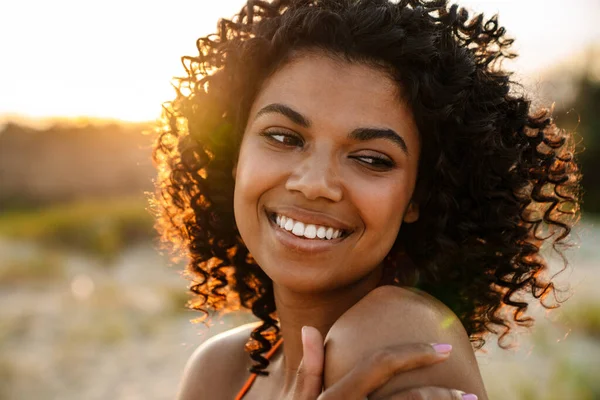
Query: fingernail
303	334
442	348
469	396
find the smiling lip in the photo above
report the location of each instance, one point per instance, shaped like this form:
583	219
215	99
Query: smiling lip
302	244
310	217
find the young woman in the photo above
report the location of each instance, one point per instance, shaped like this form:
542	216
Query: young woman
359	171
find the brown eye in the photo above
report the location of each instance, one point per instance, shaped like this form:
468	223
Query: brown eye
284	139
379	163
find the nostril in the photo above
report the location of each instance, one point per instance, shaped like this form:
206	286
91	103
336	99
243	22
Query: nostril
315	186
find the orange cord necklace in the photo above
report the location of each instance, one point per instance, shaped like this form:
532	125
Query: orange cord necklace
252	376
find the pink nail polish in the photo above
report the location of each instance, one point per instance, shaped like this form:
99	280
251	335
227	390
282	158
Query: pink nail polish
442	348
469	396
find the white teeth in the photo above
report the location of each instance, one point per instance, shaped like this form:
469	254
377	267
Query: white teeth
310	231
289	224
321	232
298	229
329	233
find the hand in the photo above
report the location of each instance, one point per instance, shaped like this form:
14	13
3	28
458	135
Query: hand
370	376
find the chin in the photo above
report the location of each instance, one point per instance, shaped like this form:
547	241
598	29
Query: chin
299	277
310	277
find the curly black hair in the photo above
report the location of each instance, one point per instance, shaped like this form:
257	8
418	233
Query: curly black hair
496	180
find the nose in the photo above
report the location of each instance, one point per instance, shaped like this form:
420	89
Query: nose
316	177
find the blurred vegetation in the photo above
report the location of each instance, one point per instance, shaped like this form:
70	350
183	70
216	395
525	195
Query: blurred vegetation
573	369
584	317
43	268
583	117
100	227
65	162
569	380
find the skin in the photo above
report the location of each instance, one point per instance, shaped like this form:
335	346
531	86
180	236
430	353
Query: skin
304	159
325	174
411	317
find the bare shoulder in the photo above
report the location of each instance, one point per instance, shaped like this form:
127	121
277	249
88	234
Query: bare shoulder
390	316
398	312
216	366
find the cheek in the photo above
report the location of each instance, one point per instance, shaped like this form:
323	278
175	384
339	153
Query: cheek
382	203
245	188
254	177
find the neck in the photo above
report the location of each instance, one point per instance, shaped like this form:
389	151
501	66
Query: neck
319	310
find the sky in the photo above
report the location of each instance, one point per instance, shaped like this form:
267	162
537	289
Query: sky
115	58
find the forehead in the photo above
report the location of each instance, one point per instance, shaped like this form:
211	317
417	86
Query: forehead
325	88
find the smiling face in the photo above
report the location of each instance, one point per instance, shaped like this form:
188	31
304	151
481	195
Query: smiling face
329	151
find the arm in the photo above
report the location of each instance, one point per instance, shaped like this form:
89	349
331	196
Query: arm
390	316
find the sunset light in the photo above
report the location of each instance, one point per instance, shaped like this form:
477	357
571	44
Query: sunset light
115	59
290	230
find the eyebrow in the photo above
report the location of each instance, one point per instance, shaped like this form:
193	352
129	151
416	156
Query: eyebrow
361	134
293	115
364	134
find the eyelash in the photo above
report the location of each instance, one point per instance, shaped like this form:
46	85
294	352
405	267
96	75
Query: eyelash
379	163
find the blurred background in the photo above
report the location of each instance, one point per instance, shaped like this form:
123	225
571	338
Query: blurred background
92	310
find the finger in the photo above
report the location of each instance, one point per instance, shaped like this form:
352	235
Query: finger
381	367
309	381
432	393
